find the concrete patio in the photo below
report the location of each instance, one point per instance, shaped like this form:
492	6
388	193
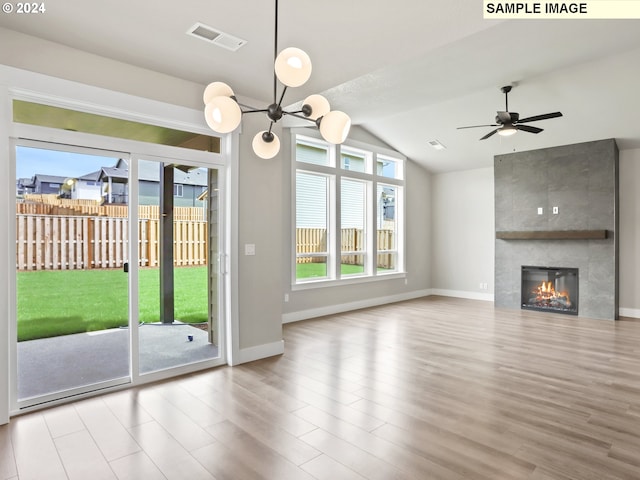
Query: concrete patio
56	364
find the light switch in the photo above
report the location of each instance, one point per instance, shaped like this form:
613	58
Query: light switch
555	210
249	249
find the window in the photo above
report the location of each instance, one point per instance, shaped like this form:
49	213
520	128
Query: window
177	190
312	228
348	214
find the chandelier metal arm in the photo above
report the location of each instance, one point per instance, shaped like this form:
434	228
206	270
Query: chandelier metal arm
301	117
282	96
256	110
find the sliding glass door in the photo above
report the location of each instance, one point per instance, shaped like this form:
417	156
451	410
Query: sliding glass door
178	228
72	300
117	278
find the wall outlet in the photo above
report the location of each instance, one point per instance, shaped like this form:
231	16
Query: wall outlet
286	297
540	210
555	210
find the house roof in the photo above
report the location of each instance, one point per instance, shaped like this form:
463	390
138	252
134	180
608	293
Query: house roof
48	178
93	176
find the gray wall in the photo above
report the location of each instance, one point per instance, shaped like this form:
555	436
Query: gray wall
463	233
581	180
36	55
630	233
259	223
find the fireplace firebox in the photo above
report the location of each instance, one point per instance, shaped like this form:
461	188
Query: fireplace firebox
550	289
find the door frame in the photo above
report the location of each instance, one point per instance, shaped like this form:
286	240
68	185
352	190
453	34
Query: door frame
223	280
28	134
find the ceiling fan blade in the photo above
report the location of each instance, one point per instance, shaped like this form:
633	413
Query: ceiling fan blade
535	118
476	126
492	132
528	128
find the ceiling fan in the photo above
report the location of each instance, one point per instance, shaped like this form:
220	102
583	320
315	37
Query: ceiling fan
509	123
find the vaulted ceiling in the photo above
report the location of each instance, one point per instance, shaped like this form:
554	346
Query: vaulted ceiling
407	71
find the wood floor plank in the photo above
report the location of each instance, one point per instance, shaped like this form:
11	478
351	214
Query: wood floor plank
168	454
186	431
7	461
125	407
353	457
325	468
414	465
63	420
136	466
81	457
36	454
109	434
250	452
274	430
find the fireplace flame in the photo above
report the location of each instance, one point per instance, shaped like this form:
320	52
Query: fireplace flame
546	292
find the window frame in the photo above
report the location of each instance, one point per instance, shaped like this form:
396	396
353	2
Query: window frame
371	179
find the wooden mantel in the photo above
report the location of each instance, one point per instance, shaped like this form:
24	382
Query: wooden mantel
553	235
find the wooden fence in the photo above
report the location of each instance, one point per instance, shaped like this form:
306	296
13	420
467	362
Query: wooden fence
53	242
314	240
65	207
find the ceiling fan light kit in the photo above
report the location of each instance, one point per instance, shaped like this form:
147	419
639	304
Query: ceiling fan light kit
292	67
509	123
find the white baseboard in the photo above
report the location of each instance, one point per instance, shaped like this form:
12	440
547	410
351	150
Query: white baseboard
629	312
260	351
487	297
346	307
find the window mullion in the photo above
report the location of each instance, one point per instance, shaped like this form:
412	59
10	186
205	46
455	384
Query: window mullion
371	230
336	203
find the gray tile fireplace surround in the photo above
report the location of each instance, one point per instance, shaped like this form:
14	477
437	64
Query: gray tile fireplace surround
581	180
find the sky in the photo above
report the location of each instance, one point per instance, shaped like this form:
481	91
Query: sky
30	161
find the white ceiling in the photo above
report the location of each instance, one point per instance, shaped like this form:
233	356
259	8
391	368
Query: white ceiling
408	71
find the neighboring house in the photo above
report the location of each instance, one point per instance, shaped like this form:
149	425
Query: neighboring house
24	186
47	184
87	187
114	182
187	185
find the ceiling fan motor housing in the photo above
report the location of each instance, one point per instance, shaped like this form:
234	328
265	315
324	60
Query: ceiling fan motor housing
507	117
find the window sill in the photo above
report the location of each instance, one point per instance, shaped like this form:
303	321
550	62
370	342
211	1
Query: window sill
323	283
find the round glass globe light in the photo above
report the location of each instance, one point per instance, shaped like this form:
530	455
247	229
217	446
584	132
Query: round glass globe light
264	149
319	106
293	67
335	126
216	89
223	114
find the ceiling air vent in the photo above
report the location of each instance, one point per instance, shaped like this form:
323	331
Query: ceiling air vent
436	145
211	35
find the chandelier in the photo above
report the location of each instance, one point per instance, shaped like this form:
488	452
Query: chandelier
292	67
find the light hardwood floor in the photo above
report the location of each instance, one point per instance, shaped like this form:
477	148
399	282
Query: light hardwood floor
433	388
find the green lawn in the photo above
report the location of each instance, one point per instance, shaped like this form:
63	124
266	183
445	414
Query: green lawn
52	303
311	270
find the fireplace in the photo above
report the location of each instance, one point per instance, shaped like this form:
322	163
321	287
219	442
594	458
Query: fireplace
550	289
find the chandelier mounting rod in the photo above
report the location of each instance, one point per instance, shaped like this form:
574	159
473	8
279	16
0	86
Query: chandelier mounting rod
275	55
